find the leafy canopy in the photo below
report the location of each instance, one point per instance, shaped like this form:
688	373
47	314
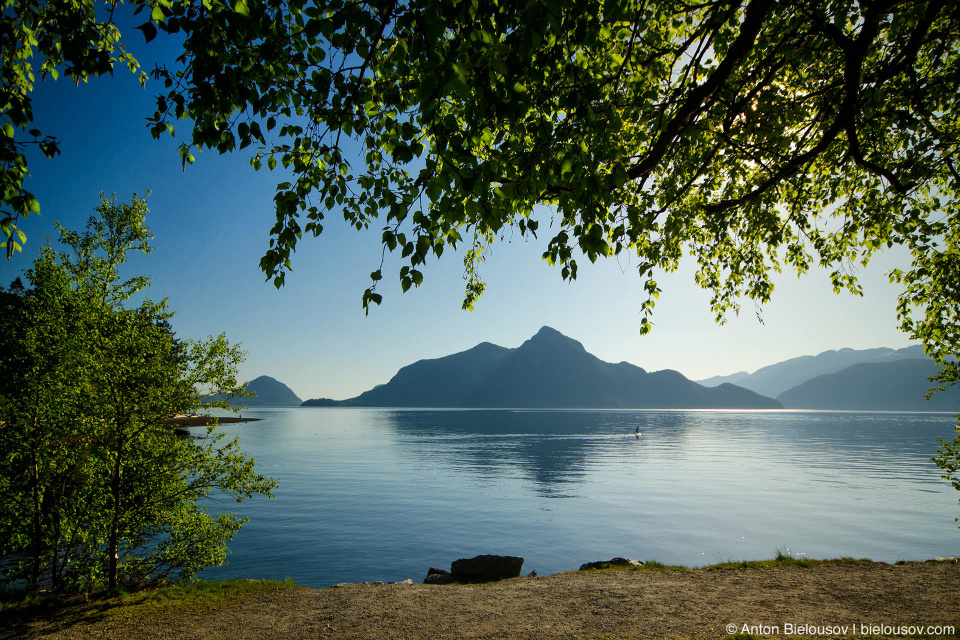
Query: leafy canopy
755	136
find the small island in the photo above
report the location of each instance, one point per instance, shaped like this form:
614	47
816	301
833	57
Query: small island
200	420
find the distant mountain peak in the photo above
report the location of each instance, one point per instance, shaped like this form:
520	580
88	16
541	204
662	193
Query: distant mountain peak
551	338
270	392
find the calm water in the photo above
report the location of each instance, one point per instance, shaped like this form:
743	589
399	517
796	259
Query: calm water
373	494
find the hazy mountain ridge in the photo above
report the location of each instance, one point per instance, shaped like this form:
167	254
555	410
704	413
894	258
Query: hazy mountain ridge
716	381
780	377
897	385
270	393
549	370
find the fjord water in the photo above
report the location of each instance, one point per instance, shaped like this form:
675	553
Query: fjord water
377	494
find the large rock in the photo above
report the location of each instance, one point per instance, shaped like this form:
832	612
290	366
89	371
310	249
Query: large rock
438	576
486	567
613	562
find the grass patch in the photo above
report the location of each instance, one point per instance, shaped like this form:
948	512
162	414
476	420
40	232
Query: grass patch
781	560
648	565
10	600
653	565
199	596
606	566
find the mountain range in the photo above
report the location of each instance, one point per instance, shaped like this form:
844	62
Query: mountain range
777	378
549	370
874	386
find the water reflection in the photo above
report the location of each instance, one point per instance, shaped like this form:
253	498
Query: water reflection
374	494
549	449
557	450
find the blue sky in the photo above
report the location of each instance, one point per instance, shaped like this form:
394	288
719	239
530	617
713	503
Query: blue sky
211	224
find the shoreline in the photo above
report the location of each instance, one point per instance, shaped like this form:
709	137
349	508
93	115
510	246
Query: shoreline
198	420
766	599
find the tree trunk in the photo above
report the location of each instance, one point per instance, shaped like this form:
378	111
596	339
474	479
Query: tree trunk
55	559
37	551
37	528
113	543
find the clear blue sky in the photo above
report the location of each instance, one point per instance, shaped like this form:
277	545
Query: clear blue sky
211	224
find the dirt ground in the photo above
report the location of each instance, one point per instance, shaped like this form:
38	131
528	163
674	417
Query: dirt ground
602	605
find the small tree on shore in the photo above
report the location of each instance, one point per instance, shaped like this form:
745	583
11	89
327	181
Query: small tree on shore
96	487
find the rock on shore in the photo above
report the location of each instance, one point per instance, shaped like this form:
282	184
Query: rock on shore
483	568
613	562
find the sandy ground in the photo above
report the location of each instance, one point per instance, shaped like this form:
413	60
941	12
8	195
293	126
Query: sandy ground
603	605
